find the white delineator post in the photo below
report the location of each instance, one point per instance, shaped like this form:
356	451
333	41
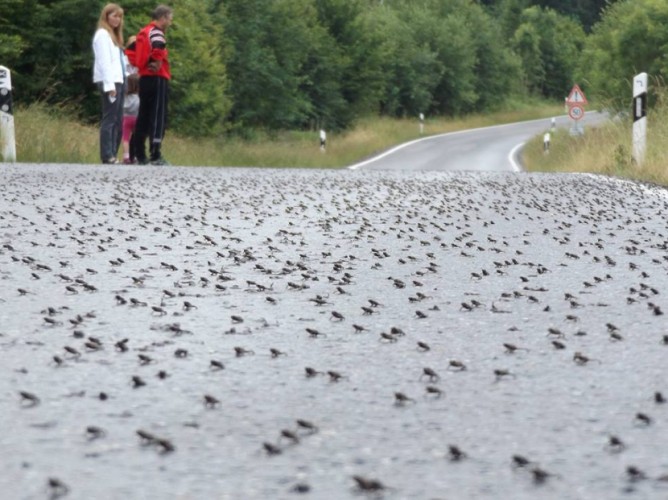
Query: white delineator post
639	117
7	140
546	142
323	139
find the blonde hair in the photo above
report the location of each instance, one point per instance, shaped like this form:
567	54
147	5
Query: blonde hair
103	23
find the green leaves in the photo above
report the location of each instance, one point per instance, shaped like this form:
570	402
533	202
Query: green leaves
631	38
306	64
199	88
269	46
549	46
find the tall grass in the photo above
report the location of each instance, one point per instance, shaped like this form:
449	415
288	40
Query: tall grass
607	149
50	134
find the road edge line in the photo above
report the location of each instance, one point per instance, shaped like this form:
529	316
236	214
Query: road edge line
355	166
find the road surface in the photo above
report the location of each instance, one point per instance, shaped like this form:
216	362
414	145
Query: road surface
187	333
488	149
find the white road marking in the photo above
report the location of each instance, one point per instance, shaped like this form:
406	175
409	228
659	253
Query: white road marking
410	143
511	157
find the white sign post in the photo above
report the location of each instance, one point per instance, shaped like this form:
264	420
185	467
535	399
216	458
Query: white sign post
421	123
639	117
576	101
7	140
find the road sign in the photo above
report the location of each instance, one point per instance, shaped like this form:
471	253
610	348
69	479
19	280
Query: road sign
576	96
575	111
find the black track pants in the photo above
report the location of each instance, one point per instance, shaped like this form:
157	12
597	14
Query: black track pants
152	117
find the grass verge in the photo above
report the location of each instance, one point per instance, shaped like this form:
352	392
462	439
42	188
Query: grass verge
49	135
607	150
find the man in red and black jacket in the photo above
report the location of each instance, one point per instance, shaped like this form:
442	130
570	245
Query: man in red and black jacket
150	56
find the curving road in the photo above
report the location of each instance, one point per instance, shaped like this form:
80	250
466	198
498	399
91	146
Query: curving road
488	149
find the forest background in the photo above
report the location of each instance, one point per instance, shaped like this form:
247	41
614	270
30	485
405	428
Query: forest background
241	66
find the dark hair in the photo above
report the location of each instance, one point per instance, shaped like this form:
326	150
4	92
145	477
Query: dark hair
160	12
133	83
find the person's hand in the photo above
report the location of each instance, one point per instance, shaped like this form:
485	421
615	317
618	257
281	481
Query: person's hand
154	66
112	93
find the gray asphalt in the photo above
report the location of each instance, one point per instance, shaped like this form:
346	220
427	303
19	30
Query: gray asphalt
372	279
488	149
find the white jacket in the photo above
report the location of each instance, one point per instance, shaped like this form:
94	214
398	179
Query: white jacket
108	67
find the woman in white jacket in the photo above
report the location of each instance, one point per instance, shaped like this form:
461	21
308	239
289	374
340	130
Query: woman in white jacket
108	74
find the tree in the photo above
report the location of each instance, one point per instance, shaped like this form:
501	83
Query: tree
48	45
282	64
549	45
410	70
11	41
357	55
508	13
322	83
442	26
586	12
497	69
631	38
200	102
450	53
270	45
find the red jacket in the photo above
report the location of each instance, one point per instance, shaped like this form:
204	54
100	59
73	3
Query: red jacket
150	53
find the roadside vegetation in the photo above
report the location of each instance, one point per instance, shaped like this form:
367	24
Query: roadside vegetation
46	134
244	68
607	149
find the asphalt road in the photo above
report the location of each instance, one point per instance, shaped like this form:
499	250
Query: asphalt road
188	333
488	149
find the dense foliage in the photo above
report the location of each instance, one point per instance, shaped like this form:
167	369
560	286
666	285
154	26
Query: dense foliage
585	12
631	38
241	65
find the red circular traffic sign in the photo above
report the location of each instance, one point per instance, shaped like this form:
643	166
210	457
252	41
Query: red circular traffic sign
576	111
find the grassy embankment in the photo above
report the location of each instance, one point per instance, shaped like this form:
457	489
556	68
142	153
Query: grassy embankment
606	150
46	135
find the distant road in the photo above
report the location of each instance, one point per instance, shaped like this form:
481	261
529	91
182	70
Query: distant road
482	149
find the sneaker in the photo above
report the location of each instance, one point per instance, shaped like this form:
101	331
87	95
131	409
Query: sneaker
111	161
160	161
141	161
127	161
